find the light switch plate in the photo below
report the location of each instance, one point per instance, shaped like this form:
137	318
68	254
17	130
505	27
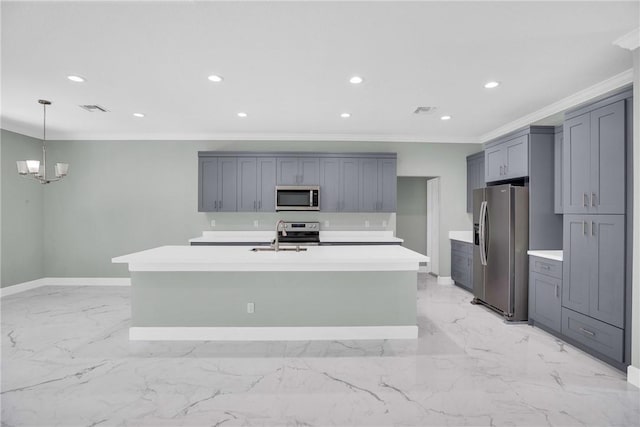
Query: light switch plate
251	307
366	223
256	224
213	222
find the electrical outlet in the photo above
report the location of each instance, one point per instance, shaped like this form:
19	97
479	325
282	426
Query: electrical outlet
251	307
384	224
326	224
256	224
366	223
213	222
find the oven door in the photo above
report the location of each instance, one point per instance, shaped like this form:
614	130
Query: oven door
297	198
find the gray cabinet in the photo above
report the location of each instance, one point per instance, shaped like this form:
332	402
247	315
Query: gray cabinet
378	185
217	184
545	288
557	170
462	264
256	184
298	170
339	184
475	176
594	266
594	161
507	159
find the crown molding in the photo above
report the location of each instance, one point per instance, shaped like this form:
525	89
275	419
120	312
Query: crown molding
613	83
630	41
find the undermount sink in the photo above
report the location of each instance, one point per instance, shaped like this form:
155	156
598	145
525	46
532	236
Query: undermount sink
271	249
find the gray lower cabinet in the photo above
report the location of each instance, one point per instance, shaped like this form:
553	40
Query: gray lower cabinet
594	161
377	185
256	184
475	176
594	266
298	171
217	184
339	183
599	336
545	289
462	264
507	159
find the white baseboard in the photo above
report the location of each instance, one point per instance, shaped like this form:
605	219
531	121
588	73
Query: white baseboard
267	333
633	375
445	280
65	281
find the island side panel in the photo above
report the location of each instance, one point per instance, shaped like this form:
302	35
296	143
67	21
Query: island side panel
219	299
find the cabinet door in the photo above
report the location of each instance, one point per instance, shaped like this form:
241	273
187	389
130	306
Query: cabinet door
309	170
578	258
471	170
606	291
387	185
576	152
266	191
544	300
516	154
247	184
208	184
227	188
368	185
288	171
349	184
557	173
494	163
607	192
330	185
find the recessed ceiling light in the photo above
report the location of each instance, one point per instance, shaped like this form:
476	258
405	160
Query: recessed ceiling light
77	79
445	118
356	80
215	78
491	85
141	115
345	115
241	114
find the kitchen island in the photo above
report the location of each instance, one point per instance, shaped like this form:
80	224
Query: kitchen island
234	293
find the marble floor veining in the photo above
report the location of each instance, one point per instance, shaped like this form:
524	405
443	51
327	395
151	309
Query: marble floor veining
67	361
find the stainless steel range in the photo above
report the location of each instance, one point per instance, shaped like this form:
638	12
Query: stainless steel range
299	233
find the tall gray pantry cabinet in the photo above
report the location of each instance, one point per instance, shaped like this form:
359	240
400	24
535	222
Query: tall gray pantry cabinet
595	189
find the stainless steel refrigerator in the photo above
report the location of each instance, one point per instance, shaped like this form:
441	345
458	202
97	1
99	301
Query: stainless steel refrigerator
501	240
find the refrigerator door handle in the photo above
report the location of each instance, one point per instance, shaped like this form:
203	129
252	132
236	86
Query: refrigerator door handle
483	229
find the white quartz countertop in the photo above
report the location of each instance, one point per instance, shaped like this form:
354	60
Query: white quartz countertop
462	236
384	236
241	258
555	254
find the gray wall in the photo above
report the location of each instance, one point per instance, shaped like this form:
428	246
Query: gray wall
411	215
22	212
126	196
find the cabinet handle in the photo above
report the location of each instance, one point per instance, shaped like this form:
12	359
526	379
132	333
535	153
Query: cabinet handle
588	332
557	291
255	204
545	267
593	196
584	199
584	227
593	228
259	204
220	205
215	205
506	168
500	170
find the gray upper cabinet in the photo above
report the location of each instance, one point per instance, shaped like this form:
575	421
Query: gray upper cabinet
557	171
507	159
475	176
256	184
594	161
339	184
217	184
298	171
594	273
378	185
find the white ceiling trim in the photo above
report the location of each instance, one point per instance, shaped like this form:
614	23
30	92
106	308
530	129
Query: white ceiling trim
630	41
599	89
301	137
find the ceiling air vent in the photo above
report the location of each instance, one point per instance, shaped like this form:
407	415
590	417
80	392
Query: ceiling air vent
93	108
424	110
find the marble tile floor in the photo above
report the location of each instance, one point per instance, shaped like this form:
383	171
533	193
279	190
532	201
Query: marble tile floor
67	361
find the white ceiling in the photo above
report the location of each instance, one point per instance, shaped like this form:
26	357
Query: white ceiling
287	65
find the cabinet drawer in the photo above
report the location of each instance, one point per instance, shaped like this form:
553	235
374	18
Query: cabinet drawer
462	247
546	266
600	336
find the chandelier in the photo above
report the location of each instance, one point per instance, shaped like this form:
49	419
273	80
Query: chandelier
37	170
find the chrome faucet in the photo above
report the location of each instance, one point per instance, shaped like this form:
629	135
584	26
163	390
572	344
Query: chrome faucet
276	241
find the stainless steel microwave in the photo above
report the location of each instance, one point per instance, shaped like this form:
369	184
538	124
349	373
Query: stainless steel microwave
297	198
